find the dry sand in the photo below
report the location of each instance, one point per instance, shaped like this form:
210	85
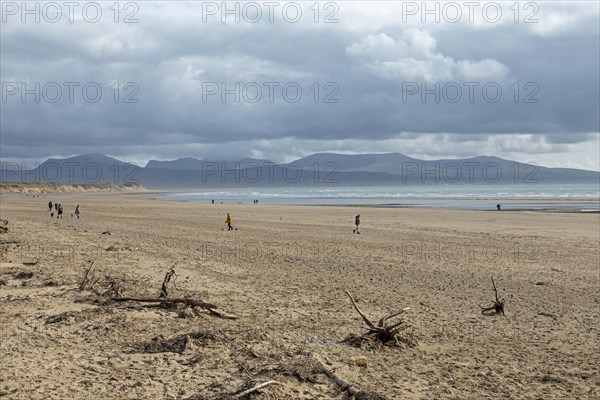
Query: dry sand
284	272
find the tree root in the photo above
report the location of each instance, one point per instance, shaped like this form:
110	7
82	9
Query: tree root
383	333
497	307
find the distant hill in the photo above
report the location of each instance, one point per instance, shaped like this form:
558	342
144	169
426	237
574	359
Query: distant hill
87	168
388	163
316	169
480	169
82	159
394	163
181	163
198	164
254	161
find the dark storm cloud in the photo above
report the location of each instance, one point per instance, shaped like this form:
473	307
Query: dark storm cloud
356	78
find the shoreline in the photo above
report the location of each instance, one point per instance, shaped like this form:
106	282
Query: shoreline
585	205
476	203
564	209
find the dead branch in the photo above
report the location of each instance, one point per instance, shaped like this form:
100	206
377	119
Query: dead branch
212	308
163	298
113	290
348	387
497	307
29	263
189	302
164	290
221	314
383	332
87	278
255	388
360	312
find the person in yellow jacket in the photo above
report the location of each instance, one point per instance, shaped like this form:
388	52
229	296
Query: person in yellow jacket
228	221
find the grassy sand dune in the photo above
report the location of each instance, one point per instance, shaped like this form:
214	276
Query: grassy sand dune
284	273
41	188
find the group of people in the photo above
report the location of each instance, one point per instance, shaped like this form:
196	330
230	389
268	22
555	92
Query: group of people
57	207
59	210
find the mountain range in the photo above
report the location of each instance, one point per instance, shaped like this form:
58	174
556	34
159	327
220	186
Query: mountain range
315	169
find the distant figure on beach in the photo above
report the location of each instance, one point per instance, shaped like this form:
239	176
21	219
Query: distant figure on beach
60	211
77	211
213	201
357	223
498	206
50	206
228	221
55	206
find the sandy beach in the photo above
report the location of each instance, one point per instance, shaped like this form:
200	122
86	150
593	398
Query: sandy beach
284	273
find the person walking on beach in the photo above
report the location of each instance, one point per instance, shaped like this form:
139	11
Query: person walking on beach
50	205
498	206
357	223
60	211
228	221
77	211
55	206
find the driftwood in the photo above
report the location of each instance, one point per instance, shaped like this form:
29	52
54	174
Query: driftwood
254	389
497	307
382	332
163	298
212	308
183	300
113	290
164	290
350	388
221	314
89	278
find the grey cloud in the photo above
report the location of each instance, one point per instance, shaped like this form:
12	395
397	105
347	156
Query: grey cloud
171	53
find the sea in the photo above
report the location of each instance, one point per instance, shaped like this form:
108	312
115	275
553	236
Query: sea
534	197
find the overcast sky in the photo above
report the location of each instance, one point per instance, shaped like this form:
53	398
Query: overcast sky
289	79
